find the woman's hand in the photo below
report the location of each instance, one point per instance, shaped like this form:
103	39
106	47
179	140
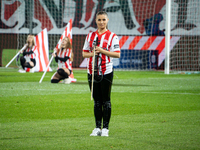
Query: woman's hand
105	52
98	50
53	54
54	51
24	47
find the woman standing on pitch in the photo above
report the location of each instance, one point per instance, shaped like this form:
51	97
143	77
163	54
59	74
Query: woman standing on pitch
28	58
63	57
106	46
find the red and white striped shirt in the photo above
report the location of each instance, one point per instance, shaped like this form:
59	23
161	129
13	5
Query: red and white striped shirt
68	63
108	41
30	56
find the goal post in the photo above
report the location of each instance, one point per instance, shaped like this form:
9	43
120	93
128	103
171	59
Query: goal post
185	22
167	35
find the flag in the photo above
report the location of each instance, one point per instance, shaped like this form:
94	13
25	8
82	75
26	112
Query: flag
41	52
67	32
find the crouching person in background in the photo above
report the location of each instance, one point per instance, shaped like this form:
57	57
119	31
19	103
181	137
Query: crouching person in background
28	59
63	57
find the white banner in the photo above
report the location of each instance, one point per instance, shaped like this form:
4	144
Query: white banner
138	18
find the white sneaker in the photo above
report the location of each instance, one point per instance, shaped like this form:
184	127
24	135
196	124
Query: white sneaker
21	71
67	80
104	132
96	132
32	70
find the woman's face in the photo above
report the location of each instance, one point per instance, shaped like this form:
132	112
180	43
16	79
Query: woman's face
64	42
30	40
102	21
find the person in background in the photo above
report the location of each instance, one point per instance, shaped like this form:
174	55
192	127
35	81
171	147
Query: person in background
64	58
28	61
107	48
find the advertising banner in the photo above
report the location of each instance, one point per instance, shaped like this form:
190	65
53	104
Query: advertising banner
137	60
126	17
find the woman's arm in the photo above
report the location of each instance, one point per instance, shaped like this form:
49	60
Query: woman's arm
26	53
87	54
62	59
108	53
101	50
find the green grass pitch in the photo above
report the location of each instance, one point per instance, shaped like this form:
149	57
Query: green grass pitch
150	111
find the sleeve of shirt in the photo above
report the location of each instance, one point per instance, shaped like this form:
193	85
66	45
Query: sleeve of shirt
56	58
115	45
86	47
61	59
27	53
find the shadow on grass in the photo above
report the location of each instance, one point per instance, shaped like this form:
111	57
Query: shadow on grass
115	84
14	138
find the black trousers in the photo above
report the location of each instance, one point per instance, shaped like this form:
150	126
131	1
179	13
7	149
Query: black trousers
26	64
102	103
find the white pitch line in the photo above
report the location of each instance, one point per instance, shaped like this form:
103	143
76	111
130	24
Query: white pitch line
59	90
173	93
114	91
41	90
174	78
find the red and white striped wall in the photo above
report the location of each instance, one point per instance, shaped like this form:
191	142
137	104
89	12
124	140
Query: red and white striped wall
144	43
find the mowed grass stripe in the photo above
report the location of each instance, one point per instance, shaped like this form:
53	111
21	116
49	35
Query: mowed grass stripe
150	111
140	131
